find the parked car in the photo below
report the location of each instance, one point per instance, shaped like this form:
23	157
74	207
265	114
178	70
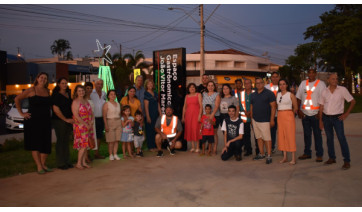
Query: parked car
14	121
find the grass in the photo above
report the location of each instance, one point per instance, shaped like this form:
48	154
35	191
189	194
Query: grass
358	107
17	161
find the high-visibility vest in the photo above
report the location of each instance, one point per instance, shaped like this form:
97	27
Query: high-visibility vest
274	90
309	96
242	113
170	130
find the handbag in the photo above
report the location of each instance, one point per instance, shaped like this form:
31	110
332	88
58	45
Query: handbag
91	143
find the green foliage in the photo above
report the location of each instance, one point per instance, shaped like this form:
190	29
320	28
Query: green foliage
59	47
12	144
340	39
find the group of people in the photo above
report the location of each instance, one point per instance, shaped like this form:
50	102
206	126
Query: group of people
267	110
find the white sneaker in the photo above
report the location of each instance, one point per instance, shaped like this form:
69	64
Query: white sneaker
116	157
111	157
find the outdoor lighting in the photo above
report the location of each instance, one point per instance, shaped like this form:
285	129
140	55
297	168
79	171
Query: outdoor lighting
16	85
104	56
55	84
29	85
68	83
82	83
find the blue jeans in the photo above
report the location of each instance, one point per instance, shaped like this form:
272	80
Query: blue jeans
273	132
330	122
312	123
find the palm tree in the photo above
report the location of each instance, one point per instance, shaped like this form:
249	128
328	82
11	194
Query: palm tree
59	47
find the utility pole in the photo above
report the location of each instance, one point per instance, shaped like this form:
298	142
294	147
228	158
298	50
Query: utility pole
202	42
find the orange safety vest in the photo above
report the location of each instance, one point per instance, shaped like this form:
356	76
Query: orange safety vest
170	130
309	96
275	91
242	113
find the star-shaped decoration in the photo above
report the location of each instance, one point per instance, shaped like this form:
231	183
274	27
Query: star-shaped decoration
104	53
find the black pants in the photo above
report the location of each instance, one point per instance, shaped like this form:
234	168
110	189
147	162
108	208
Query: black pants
64	134
233	149
247	138
273	133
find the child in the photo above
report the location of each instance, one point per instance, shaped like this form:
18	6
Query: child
207	130
127	133
233	127
138	133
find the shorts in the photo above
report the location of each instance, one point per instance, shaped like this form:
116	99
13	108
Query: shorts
99	127
207	138
261	130
127	137
115	130
165	143
138	141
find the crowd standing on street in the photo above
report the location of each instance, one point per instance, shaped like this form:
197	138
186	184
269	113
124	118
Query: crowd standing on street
268	111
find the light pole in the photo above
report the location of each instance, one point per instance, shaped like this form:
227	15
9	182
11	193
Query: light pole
202	36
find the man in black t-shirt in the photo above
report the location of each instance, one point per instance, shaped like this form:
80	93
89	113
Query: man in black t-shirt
233	127
203	87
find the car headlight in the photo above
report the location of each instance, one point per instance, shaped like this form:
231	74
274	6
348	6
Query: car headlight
8	117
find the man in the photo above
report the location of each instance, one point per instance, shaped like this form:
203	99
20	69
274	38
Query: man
238	88
234	129
274	86
98	96
262	108
331	116
140	91
169	129
244	101
203	87
308	95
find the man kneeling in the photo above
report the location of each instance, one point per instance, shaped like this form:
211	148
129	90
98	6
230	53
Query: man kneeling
169	129
233	128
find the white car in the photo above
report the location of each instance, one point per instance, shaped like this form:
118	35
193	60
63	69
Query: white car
14	121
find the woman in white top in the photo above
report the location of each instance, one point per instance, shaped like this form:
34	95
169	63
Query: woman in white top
112	124
287	107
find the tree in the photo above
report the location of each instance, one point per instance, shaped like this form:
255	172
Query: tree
59	47
340	37
305	57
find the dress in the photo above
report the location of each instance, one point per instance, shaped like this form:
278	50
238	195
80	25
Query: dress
127	131
192	125
37	129
153	111
81	132
286	122
94	124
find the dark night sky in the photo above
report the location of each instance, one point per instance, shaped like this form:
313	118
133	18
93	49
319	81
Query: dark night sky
255	29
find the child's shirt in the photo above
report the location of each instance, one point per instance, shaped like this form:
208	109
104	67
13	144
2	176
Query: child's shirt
137	129
128	127
233	128
208	128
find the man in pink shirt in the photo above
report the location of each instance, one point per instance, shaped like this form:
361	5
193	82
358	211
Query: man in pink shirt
332	116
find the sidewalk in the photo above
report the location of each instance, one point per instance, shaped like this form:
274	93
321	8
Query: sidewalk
187	179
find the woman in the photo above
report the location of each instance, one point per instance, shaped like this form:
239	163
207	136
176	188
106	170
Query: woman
287	107
132	101
227	99
83	125
112	124
191	116
212	98
37	121
88	91
152	112
62	122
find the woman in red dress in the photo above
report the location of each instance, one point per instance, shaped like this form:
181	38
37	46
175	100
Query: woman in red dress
191	116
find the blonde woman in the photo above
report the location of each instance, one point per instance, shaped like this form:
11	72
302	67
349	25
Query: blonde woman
83	125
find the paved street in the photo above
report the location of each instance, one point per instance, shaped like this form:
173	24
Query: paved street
190	180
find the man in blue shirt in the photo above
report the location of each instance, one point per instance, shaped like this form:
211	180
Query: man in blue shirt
262	107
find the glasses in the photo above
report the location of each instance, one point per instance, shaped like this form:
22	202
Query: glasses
280	100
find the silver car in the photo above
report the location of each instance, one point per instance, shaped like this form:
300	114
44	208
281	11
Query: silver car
14	121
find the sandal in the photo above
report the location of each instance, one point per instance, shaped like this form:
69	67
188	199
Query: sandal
192	150
79	167
41	172
283	161
197	150
292	163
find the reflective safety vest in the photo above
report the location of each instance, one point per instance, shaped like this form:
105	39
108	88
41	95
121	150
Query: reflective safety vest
170	130
309	96
242	113
274	90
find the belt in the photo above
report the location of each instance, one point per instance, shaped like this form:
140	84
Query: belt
332	116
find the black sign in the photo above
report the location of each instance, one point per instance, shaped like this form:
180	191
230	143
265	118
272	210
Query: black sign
170	78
